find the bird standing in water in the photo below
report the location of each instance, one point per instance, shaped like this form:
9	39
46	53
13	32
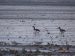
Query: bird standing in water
61	31
37	30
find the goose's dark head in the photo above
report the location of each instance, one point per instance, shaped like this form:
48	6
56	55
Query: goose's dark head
33	26
59	28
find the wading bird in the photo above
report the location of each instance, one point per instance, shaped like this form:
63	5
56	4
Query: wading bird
61	31
37	30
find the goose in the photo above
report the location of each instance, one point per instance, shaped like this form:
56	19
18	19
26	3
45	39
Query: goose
35	29
61	30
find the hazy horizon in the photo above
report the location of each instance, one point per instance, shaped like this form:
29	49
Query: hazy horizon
38	2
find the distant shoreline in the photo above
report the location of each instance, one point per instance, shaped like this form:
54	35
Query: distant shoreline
38	3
